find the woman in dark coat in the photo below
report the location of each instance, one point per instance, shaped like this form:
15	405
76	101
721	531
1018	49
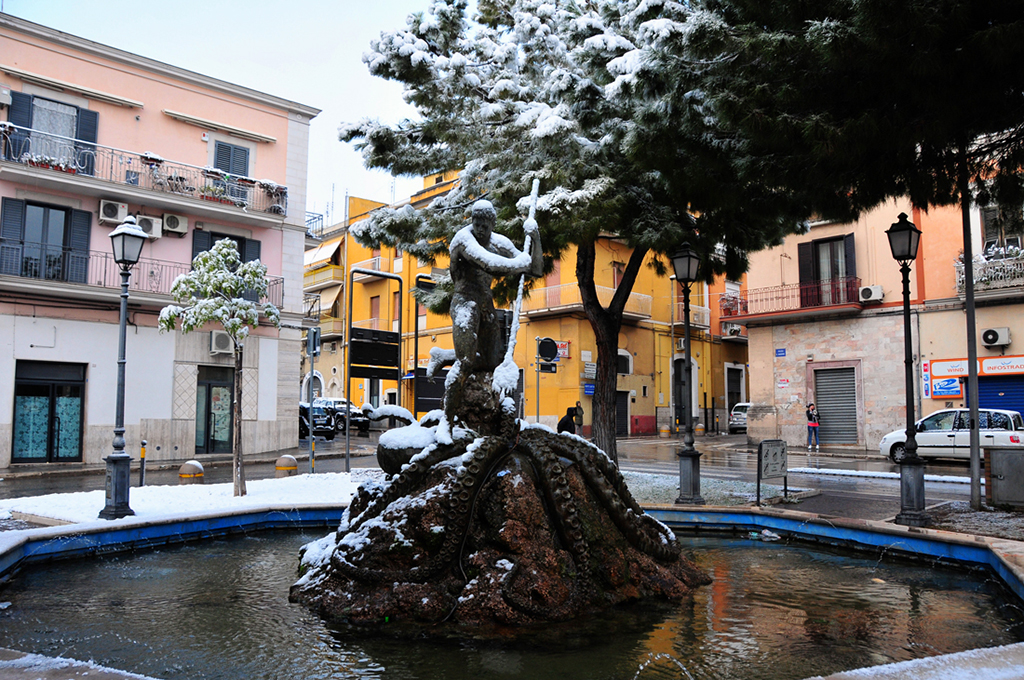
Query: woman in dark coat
567	424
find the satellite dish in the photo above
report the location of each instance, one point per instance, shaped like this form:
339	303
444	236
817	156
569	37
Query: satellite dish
547	349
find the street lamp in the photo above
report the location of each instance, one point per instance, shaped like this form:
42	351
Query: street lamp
904	238
686	264
127	241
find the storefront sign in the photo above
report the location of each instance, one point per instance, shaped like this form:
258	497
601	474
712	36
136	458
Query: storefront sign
948	368
926	379
563	349
783	383
945	387
1002	365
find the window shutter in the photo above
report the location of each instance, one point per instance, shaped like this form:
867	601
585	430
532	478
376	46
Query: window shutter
201	242
88	125
851	255
78	246
239	161
250	250
12	228
222	157
810	293
20	114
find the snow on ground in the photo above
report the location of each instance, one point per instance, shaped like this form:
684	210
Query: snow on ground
157	502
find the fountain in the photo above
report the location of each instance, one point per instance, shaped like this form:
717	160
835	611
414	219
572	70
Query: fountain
488	522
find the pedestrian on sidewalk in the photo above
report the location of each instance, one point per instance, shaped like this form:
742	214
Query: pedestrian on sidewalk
578	418
812	427
566	424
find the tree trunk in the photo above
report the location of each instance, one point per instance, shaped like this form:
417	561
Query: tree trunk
606	323
237	471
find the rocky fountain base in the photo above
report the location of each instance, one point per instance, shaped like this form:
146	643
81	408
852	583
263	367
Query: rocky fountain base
491	533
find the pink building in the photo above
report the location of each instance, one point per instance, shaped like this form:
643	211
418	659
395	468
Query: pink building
89	135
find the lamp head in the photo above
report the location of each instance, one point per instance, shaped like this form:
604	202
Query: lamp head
904	239
127	241
686	264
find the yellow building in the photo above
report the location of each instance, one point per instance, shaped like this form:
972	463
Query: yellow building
650	342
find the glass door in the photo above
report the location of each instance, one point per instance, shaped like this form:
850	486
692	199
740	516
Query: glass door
214	410
47	422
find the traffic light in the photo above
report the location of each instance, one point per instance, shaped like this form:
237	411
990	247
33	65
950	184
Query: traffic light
313	341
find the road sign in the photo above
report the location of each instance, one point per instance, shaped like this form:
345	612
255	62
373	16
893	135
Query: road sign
546	367
547	349
772	462
590	370
588	389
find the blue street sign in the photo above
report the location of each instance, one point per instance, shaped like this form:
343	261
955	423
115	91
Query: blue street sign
780	352
588	389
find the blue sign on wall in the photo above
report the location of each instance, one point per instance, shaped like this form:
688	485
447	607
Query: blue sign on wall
780	352
588	388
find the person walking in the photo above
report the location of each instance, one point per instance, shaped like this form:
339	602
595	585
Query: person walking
578	418
812	427
566	424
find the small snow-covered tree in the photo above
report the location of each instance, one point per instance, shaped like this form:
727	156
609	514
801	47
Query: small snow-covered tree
220	290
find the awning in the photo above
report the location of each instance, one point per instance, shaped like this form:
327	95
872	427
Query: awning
320	255
327	298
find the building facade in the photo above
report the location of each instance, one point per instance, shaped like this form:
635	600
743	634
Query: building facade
90	135
649	390
824	314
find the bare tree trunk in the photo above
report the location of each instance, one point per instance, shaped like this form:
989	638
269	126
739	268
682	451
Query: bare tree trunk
237	471
606	323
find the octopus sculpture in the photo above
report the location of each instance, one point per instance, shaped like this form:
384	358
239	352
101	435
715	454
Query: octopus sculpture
520	527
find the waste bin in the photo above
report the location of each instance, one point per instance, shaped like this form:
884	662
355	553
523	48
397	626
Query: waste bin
1004	476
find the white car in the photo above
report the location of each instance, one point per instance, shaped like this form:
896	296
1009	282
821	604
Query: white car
944	434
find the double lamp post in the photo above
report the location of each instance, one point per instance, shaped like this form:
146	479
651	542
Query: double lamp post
127	241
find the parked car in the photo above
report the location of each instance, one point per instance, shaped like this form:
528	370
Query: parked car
336	406
323	421
945	434
738	417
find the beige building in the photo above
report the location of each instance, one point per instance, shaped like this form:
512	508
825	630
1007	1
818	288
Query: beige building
823	312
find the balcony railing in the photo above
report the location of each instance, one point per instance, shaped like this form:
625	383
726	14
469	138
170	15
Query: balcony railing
314	225
377	264
372	324
94	268
73	156
568	295
323	276
792	297
700	317
311	306
993	274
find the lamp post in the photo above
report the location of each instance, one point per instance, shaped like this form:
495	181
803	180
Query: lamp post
127	241
904	238
686	264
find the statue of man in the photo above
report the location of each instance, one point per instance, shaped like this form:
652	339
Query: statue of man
477	256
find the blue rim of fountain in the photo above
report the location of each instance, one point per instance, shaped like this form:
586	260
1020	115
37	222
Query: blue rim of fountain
1004	557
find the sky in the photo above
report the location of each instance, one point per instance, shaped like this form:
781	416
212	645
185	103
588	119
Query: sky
308	51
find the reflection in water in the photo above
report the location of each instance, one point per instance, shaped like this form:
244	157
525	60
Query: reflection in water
220	610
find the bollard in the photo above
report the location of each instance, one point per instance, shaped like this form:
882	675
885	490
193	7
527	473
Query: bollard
699	429
286	466
191	472
664	432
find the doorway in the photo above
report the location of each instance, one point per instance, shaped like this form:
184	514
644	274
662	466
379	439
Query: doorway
48	412
214	409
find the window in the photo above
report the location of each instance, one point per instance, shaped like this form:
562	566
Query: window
62	133
618	269
624	363
1001	230
248	248
44	242
828	271
939	421
231	158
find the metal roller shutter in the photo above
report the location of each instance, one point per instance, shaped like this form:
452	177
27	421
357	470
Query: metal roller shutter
1001	391
835	395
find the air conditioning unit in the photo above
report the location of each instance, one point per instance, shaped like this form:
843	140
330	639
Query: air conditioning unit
732	329
112	212
175	224
871	294
153	226
221	343
995	337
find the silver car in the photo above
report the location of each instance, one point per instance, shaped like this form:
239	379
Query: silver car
738	417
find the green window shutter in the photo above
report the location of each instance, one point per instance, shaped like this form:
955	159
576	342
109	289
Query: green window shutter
78	246
12	228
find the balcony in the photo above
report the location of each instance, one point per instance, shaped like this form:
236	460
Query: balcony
314	225
700	317
61	163
332	328
311	306
796	302
377	264
39	269
315	279
994	279
564	299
